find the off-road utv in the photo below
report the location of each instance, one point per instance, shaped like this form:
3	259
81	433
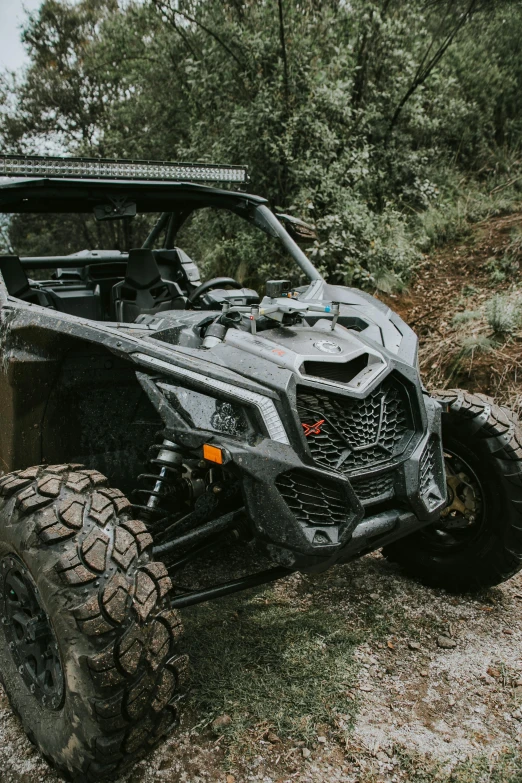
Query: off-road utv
294	420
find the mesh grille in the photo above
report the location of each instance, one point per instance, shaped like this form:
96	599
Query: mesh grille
374	488
357	433
427	468
311	501
431	474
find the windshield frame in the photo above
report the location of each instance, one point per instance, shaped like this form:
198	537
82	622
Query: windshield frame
175	201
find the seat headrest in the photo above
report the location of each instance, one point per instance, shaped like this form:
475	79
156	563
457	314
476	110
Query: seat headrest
14	276
142	270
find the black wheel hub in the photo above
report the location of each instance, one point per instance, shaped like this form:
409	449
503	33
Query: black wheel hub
30	635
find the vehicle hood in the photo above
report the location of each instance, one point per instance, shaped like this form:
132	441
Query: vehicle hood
334	356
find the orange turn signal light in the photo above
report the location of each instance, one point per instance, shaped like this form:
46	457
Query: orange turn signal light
213	454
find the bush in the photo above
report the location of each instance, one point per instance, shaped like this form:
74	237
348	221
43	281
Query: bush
465	317
476	343
503	315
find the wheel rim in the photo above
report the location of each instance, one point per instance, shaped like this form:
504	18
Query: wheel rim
462	520
30	635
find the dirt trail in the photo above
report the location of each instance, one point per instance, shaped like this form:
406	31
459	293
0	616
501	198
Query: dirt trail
416	700
435	293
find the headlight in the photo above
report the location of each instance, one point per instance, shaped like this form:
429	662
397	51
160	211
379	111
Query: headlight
208	413
264	405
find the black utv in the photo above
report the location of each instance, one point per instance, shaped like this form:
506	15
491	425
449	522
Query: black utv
145	415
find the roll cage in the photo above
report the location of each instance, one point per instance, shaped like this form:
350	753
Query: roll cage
112	199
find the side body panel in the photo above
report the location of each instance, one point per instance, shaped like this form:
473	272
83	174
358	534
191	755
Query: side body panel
64	399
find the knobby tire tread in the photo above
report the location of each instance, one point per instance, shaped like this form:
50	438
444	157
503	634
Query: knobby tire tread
478	419
102	558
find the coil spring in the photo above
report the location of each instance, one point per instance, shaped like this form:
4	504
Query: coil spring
169	460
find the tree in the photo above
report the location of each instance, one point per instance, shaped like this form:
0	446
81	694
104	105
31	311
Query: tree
361	116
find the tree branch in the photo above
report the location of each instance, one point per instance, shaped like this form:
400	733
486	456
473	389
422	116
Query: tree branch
424	69
206	29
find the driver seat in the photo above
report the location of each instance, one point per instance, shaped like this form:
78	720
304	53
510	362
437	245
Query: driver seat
17	282
143	291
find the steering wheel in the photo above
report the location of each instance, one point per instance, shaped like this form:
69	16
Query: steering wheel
215	282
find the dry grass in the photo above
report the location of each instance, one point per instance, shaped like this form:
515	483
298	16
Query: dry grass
482	351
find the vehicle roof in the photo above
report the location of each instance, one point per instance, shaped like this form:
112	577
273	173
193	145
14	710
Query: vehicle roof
47	194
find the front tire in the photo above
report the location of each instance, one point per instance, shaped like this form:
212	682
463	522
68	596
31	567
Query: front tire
477	542
88	647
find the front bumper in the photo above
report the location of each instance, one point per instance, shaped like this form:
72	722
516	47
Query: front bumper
299	508
309	515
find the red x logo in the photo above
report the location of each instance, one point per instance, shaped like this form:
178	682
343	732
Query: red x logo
313	429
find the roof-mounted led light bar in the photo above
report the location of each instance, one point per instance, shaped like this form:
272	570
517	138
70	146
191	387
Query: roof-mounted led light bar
98	168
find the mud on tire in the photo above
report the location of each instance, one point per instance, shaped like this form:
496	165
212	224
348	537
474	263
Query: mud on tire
488	438
105	599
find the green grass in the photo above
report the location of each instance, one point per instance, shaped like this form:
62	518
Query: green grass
465	317
270	667
470	290
475	344
507	267
283	664
282	659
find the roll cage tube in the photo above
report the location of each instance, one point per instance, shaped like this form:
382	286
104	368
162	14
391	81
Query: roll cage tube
162	222
263	217
260	215
3	293
171	221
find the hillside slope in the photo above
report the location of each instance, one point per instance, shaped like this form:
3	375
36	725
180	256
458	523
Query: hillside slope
465	304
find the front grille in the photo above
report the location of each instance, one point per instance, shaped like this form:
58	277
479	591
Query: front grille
311	501
431	476
374	488
427	468
357	434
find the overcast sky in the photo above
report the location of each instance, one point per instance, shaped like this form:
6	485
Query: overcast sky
12	16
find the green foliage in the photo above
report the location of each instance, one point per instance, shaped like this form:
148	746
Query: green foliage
475	343
504	314
470	290
501	269
508	266
514	248
48	234
465	317
388	124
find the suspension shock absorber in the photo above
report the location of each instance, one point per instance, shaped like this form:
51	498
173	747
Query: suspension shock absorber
164	483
